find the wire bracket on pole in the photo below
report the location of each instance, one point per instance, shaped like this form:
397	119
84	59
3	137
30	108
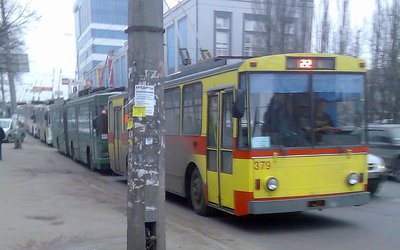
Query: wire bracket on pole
144	28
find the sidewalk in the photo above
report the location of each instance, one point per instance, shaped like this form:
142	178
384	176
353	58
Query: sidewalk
49	202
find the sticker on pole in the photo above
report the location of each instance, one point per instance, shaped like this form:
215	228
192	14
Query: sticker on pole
138	111
144	96
130	123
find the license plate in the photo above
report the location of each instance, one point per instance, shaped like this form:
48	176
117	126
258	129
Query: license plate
316	203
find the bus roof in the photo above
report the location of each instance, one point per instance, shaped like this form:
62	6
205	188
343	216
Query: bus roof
263	63
90	97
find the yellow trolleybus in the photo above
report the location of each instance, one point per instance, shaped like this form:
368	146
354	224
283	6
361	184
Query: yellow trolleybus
272	134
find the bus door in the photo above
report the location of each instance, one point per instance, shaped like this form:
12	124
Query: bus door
117	137
219	148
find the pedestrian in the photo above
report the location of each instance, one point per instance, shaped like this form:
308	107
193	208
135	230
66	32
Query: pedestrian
2	136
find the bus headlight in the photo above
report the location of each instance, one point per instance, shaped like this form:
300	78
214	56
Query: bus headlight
272	184
353	178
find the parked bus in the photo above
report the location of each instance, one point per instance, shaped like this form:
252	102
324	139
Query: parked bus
59	126
25	112
87	130
272	134
43	122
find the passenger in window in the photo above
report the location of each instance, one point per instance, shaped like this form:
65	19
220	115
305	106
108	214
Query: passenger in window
282	124
323	121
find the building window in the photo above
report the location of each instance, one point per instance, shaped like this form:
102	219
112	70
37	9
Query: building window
222	33
182	29
254	36
171	49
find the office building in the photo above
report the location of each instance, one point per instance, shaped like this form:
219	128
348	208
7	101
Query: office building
99	31
236	28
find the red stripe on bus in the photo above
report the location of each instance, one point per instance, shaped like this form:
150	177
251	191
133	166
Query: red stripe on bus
247	154
241	200
197	144
110	138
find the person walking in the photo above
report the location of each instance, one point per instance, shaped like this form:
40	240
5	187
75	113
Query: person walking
2	136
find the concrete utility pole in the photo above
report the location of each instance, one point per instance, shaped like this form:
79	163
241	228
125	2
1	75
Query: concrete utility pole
7	51
146	174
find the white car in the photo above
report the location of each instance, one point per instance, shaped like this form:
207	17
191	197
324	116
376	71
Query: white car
376	172
11	129
7	125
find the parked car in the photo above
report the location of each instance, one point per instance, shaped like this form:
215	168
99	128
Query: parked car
376	172
11	129
384	141
7	125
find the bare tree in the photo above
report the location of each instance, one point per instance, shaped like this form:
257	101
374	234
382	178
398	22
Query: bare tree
384	76
344	27
286	24
323	27
14	18
393	74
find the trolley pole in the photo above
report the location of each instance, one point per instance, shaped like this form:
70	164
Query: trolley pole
146	174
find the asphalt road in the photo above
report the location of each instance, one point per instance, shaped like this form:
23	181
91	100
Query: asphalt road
47	201
372	226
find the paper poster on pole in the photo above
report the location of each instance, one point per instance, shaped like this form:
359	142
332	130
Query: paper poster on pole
144	96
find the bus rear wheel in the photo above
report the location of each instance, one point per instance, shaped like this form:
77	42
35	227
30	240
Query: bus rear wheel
89	159
197	194
396	171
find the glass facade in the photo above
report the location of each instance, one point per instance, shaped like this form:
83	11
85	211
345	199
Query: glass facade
182	27
93	37
171	49
109	12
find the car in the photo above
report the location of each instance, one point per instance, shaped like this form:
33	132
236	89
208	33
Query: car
7	125
376	172
384	141
11	129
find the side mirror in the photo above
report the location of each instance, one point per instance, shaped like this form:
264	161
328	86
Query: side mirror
238	103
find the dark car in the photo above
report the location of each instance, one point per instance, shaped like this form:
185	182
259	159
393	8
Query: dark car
384	141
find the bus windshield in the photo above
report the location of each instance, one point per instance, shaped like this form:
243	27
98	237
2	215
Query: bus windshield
306	110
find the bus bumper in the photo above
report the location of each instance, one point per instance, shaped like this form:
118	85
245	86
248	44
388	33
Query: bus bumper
312	203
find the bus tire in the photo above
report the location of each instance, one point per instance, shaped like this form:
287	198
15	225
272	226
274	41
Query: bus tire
89	159
72	152
58	146
197	194
396	171
373	187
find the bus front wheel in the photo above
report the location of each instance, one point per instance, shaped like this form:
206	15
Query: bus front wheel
396	171
197	194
